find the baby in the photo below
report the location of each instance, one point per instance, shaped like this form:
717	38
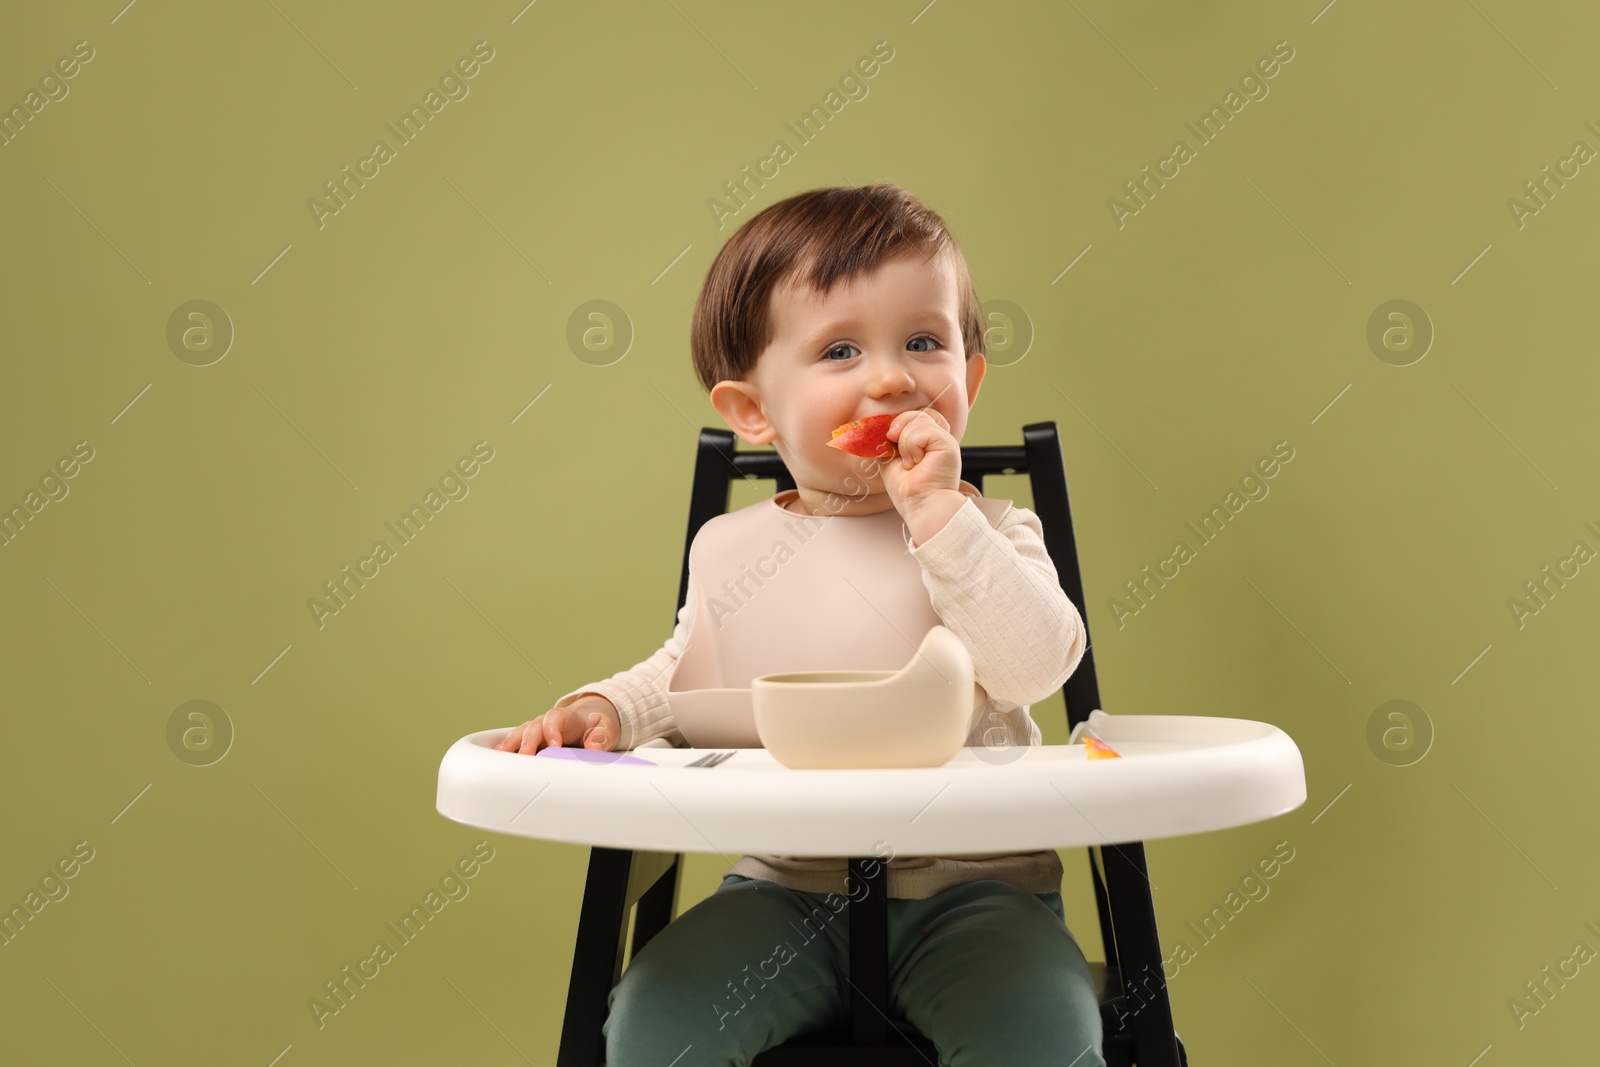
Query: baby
825	308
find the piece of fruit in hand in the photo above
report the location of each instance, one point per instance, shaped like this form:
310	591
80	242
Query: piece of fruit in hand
1098	749
865	437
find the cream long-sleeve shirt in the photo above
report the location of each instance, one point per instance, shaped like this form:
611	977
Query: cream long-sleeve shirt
996	588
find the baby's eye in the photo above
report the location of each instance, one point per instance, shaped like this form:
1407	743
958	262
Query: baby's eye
836	348
932	343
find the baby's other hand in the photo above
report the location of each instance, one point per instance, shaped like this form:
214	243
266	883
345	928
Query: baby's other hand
591	720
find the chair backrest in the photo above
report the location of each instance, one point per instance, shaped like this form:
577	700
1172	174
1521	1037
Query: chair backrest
717	464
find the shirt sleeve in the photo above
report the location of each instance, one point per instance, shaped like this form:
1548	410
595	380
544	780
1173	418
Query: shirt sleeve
996	588
640	692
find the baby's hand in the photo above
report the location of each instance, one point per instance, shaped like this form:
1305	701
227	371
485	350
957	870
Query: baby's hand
591	719
928	459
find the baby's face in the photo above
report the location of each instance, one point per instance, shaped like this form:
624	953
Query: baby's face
887	342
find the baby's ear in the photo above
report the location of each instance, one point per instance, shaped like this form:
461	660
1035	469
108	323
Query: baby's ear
976	367
739	404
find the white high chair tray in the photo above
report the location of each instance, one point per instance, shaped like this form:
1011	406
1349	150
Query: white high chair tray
1179	774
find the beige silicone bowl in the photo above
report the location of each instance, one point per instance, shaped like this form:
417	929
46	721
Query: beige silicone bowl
917	716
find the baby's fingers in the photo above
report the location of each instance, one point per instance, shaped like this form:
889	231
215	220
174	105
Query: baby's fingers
563	726
559	727
526	739
512	741
914	443
907	419
554	728
598	736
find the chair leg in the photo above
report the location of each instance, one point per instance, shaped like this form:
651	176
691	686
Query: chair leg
656	907
1155	1043
596	957
1102	903
869	952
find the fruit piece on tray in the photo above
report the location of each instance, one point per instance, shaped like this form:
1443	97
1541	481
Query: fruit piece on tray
865	437
1098	749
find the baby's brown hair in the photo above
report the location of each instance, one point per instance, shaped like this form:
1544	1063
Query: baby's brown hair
819	239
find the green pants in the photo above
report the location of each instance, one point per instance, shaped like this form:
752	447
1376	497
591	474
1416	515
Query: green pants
986	971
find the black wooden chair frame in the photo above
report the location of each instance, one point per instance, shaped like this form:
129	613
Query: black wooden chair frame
1131	984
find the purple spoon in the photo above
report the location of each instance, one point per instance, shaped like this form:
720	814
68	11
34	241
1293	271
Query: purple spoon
589	755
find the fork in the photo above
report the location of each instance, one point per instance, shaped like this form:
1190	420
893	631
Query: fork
711	759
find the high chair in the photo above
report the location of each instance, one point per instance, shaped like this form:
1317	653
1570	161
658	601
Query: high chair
1134	1006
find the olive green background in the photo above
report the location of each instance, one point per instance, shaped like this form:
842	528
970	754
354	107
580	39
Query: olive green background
370	354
